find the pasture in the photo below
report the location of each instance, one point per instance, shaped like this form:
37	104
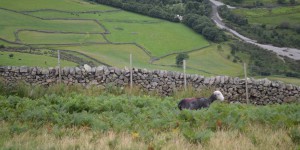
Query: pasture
101	32
272	16
252	3
26	59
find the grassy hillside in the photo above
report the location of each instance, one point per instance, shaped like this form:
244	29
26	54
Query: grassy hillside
25	59
209	61
95	118
272	16
100	32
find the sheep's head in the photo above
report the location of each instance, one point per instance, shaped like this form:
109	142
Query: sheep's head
219	95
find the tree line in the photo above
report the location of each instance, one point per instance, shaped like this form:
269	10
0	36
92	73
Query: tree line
195	11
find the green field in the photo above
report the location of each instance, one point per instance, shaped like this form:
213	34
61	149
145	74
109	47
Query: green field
253	3
32	37
209	61
42	25
273	16
66	5
158	36
67	25
24	59
16	21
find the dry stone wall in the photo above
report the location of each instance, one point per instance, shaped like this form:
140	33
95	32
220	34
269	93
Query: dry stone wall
261	91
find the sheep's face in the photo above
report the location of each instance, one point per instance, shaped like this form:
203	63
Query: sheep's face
219	95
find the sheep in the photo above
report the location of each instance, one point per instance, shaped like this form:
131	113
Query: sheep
198	103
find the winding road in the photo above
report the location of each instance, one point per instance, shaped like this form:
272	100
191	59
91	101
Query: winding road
281	51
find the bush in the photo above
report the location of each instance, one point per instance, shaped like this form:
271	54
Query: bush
284	25
180	57
11	55
295	135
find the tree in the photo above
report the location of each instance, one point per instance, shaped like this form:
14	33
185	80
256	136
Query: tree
180	57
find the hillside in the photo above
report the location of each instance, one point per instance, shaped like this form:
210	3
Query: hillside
89	33
101	35
70	117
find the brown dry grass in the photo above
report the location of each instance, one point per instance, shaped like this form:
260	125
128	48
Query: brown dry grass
257	137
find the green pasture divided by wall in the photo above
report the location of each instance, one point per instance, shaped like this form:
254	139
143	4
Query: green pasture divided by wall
25	59
209	61
16	21
158	36
67	5
154	36
32	37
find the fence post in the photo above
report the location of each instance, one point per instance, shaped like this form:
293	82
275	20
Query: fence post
59	67
184	74
130	74
246	82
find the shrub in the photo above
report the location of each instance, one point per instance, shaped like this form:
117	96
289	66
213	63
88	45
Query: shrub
295	135
180	57
11	55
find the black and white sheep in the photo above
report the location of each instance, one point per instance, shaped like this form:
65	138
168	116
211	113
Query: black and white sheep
198	103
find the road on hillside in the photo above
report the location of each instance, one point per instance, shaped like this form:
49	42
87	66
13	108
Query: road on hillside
281	51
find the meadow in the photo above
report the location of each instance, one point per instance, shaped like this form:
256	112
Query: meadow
21	59
101	32
272	16
71	117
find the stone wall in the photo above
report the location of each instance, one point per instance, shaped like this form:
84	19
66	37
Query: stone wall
261	91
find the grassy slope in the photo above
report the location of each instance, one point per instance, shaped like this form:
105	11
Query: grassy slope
14	21
158	36
68	5
21	59
210	60
57	117
56	38
274	17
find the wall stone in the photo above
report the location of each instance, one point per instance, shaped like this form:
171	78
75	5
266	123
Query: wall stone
261	92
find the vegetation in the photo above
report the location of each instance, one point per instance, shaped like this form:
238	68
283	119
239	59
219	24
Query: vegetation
30	114
276	26
204	26
261	61
259	3
21	59
208	61
172	10
180	57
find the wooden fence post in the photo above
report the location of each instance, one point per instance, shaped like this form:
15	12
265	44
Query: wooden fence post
131	74
59	67
184	74
246	82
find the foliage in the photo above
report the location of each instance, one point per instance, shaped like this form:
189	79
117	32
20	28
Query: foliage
180	57
226	13
275	26
204	26
264	63
145	115
295	135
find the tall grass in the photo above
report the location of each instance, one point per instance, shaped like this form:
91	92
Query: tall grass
256	138
144	120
